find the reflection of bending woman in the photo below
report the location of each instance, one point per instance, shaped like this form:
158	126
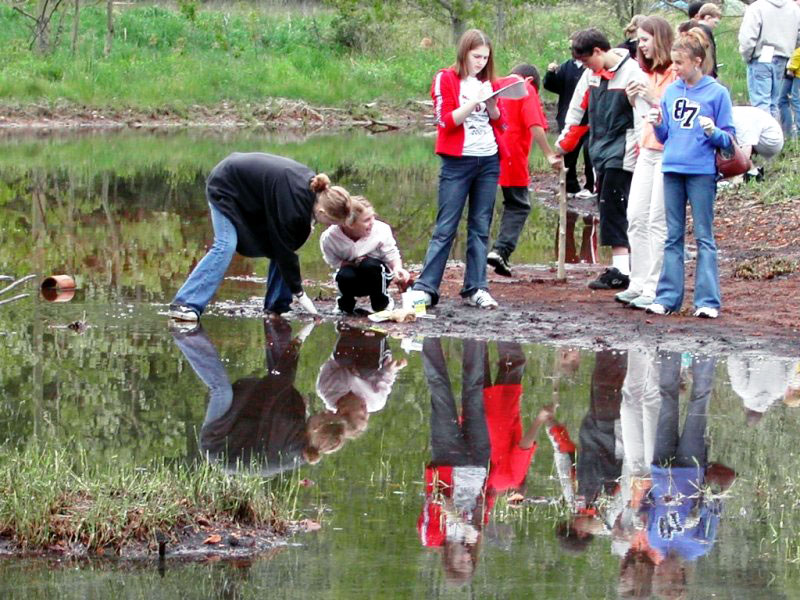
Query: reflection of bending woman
260	418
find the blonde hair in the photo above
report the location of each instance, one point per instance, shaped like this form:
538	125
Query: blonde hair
334	201
696	44
360	206
471	39
663	37
709	9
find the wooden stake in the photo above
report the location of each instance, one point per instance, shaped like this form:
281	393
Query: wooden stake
561	275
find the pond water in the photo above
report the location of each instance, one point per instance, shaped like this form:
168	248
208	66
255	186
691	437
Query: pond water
407	505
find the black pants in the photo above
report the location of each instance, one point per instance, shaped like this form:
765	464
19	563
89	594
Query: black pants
369	278
571	165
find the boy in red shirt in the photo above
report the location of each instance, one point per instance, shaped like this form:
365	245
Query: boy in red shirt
526	122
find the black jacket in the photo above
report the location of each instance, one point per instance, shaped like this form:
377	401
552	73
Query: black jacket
269	200
562	81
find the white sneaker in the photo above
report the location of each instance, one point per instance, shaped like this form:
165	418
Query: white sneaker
706	312
417	295
585	194
390	306
481	299
658	309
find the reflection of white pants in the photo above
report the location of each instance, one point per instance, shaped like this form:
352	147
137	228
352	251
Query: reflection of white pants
641	402
647	225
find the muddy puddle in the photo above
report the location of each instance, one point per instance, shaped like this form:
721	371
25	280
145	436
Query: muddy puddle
436	466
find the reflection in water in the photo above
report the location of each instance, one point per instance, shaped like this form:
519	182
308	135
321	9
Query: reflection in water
358	378
264	421
459	489
588	249
599	462
761	382
678	515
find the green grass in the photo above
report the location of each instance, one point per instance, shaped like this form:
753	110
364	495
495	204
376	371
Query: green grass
162	58
55	497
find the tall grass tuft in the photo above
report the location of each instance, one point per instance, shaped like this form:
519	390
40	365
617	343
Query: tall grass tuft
51	497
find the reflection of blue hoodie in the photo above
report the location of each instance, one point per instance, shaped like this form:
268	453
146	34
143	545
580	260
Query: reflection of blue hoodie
687	149
680	518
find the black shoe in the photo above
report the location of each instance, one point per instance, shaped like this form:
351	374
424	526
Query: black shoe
758	175
179	312
611	279
500	263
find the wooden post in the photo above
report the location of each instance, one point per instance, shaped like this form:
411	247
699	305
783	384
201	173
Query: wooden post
561	275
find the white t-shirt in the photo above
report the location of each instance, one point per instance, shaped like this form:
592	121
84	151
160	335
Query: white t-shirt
757	128
478	135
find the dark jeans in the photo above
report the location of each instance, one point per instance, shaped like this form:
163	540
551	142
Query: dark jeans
571	165
462	178
516	207
279	297
457	442
368	278
687	449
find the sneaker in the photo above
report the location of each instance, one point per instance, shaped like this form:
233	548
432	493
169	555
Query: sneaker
182	328
641	303
179	312
481	299
627	296
499	262
611	279
389	306
417	295
658	309
706	312
585	195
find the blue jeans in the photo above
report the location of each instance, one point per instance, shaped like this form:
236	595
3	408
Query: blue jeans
700	191
207	365
473	177
764	82
789	105
207	276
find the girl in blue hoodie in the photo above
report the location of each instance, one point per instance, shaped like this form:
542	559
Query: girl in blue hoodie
694	119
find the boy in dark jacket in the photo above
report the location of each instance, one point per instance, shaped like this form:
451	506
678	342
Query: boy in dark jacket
614	131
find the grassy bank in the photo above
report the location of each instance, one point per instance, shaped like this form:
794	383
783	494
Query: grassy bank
174	58
56	499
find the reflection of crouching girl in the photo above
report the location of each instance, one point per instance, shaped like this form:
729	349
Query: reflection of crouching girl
260	419
358	378
366	256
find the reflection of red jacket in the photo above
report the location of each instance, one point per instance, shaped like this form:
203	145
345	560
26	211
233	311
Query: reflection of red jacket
520	114
509	463
445	91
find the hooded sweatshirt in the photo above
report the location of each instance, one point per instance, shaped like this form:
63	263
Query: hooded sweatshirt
687	149
769	23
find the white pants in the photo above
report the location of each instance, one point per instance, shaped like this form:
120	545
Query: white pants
641	402
647	224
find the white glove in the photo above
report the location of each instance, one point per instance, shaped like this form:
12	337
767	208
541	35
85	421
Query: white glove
653	115
304	301
707	123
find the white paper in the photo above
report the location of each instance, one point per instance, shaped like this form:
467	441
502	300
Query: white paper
512	90
767	52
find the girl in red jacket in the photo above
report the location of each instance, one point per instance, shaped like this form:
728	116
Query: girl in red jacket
468	128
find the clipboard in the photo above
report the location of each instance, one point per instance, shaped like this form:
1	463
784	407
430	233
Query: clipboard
512	91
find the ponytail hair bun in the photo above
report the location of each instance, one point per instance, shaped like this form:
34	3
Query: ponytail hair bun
319	183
